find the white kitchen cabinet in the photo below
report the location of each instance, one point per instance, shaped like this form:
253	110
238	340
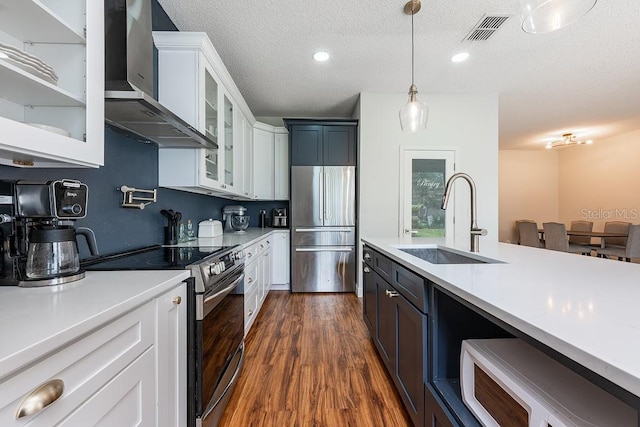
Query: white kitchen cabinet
270	164
171	350
68	36
129	371
251	292
257	267
280	260
88	367
281	166
244	158
263	163
265	268
194	83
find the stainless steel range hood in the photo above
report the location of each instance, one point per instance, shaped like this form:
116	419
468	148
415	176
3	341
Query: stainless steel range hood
130	107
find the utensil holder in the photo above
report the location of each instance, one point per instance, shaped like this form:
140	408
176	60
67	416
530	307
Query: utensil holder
170	235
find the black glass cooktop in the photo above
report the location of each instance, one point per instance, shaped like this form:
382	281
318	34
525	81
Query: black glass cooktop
151	258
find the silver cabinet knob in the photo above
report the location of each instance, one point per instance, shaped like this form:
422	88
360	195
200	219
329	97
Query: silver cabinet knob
177	300
367	270
367	255
40	398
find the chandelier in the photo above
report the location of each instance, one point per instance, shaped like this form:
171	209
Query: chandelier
567	140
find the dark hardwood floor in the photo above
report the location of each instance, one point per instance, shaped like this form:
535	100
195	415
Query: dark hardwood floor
310	362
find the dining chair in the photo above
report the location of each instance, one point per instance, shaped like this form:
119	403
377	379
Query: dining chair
580	226
580	244
616	227
555	236
528	233
630	250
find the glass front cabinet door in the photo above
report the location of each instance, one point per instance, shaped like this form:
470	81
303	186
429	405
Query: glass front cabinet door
228	177
190	85
210	112
52	83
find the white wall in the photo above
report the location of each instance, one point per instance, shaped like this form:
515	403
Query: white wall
528	189
467	123
598	182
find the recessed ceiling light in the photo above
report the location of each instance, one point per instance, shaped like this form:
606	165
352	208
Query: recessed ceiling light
321	56
459	57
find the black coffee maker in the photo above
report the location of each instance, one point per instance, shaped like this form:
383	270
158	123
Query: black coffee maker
37	232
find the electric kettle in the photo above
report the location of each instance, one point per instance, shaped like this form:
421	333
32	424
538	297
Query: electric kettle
53	251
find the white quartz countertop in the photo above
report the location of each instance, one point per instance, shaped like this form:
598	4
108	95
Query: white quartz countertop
35	321
583	307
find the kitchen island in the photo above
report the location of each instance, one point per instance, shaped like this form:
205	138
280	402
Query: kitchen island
581	310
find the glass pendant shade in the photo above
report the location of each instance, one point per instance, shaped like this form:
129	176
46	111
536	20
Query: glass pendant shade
414	114
543	16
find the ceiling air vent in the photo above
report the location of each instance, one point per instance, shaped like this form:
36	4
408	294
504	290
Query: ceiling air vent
486	27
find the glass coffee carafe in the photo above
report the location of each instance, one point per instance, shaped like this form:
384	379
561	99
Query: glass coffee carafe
53	252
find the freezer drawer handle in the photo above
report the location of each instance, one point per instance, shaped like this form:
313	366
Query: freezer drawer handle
332	229
325	249
326	188
321	204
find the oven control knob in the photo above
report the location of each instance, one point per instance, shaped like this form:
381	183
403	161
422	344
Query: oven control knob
215	269
239	255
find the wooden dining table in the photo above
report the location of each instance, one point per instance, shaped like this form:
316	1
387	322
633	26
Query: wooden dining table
598	234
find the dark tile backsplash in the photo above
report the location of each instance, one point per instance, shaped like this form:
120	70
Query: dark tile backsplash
134	164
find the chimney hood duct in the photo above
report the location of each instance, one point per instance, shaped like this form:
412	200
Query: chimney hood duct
130	107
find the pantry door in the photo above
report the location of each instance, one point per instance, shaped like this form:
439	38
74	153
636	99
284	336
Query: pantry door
424	174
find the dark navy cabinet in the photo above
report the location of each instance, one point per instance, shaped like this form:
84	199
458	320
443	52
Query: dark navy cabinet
322	142
399	332
339	145
369	297
434	415
306	145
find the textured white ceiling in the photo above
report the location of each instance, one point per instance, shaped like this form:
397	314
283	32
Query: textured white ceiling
584	78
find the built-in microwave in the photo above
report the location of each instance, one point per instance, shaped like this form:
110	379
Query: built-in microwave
507	382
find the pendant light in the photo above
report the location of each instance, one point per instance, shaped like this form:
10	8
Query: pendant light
543	16
414	115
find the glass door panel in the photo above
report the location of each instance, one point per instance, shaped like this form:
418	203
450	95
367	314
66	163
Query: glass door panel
211	164
211	124
424	177
228	141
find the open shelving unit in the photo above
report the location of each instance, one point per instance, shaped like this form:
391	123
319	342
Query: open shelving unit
454	322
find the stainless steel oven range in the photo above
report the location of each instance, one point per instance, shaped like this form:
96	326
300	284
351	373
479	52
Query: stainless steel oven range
215	317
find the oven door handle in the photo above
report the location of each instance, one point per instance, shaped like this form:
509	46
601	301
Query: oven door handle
218	296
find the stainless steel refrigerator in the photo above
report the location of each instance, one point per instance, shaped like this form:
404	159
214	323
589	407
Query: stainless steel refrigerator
323	220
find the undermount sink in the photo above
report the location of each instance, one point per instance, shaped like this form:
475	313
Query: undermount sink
443	256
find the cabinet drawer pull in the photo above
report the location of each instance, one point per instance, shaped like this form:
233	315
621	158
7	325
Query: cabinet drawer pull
40	398
250	280
367	256
391	294
368	270
177	300
250	312
249	255
261	246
